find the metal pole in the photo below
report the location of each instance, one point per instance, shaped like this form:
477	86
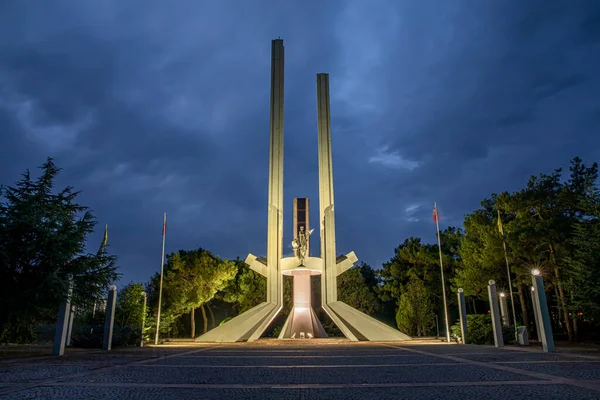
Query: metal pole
442	270
162	263
437	325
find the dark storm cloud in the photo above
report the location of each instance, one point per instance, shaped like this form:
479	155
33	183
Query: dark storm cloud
151	107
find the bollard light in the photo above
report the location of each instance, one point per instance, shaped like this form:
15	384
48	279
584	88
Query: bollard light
492	282
460	290
502	294
535	272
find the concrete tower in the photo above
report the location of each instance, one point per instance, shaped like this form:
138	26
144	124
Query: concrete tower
302	322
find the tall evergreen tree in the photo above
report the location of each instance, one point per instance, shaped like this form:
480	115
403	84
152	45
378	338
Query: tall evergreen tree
43	235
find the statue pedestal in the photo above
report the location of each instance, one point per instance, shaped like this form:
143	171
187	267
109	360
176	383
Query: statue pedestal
302	322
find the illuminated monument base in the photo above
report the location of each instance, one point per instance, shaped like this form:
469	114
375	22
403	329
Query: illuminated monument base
302	321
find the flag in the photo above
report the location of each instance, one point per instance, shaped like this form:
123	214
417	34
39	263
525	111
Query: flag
500	224
435	216
104	240
165	226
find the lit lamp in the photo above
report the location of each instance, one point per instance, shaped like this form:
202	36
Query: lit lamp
535	272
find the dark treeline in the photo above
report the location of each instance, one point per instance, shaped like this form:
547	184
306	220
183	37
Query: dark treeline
552	224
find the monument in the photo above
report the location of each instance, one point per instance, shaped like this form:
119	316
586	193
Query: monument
302	321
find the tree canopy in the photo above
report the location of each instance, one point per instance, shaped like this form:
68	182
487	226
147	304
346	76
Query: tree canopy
551	224
43	234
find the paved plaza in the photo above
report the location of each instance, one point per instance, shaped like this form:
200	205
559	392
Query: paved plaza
327	369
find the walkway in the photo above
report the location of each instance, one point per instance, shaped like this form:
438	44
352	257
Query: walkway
305	370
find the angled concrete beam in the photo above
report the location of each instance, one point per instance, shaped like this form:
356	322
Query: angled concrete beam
362	326
257	266
345	264
239	328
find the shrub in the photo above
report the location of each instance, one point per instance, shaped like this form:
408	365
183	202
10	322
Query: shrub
480	330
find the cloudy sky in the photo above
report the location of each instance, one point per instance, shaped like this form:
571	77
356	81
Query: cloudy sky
163	106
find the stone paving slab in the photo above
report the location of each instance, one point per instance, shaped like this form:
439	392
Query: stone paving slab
509	356
304	370
581	371
23	374
243	360
281	376
498	392
412	374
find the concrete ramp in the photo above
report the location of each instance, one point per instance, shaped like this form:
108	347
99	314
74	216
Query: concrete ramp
362	326
241	327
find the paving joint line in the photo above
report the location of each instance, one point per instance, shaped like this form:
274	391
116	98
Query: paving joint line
304	385
546	377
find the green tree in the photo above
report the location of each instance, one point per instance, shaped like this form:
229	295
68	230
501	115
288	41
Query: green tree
539	225
415	311
584	276
192	278
130	305
354	290
414	259
246	290
411	259
43	235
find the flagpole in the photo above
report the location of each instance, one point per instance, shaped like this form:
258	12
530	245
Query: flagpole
100	251
437	225
512	299
162	263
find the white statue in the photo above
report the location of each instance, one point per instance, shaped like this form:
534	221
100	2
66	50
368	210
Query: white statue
300	244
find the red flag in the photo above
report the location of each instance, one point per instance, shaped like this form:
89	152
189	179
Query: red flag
165	226
435	216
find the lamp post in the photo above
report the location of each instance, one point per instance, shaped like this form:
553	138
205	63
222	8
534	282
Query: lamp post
496	325
541	305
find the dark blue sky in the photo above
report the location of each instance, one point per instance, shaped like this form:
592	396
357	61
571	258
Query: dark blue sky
153	106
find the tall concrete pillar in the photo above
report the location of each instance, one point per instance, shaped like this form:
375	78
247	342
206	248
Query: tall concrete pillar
144	302
496	324
326	204
70	329
275	216
543	320
536	315
504	310
62	322
109	321
462	308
